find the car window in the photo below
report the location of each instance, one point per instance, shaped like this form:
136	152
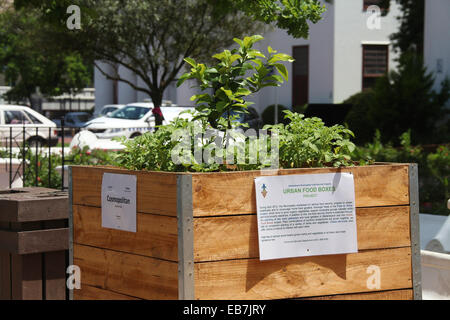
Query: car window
130	112
69	120
109	109
16	117
82	117
33	118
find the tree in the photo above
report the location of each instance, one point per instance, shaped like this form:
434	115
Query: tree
153	37
401	101
410	35
29	59
290	15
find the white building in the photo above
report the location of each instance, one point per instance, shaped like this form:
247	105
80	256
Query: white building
345	51
437	39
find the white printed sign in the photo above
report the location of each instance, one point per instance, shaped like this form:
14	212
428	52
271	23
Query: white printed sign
119	202
306	215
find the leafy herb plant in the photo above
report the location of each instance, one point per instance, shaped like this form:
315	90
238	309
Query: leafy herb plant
238	74
307	142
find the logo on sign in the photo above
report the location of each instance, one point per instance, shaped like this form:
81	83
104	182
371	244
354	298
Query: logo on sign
264	190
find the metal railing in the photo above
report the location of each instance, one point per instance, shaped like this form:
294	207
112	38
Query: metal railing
30	152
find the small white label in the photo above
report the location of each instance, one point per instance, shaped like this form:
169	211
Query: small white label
119	202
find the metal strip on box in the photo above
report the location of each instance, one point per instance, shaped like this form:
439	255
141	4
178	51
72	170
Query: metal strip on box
70	292
185	237
414	229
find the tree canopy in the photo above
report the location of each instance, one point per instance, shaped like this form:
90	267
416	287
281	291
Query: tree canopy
152	37
30	59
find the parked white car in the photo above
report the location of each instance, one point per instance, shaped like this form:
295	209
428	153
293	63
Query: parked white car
106	109
130	121
38	129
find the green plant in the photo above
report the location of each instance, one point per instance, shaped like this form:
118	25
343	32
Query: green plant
187	139
238	74
401	101
85	156
307	142
268	115
357	119
300	108
4	153
152	151
37	170
439	166
380	152
434	175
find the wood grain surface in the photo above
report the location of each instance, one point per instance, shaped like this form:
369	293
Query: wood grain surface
93	293
231	193
236	237
156	235
302	277
128	274
406	294
157	190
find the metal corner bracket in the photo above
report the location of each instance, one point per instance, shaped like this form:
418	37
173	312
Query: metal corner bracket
185	222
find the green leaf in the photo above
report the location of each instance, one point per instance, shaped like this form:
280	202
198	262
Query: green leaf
229	93
282	70
256	38
249	41
243	92
235	57
238	41
201	97
191	62
221	105
182	79
219	56
258	63
280	57
255	53
274	77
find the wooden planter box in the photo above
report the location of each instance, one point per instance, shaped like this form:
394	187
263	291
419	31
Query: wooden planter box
197	239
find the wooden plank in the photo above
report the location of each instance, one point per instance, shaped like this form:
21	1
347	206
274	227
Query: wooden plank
128	274
26	277
92	293
34	204
406	294
228	193
9	241
302	277
55	275
156	235
377	228
43	240
27	242
158	189
5	276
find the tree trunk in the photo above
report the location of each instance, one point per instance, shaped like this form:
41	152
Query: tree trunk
157	101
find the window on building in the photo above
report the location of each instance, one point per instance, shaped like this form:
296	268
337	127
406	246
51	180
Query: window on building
384	7
368	3
300	83
375	64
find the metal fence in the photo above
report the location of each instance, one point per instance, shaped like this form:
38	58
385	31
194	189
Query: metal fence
34	153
